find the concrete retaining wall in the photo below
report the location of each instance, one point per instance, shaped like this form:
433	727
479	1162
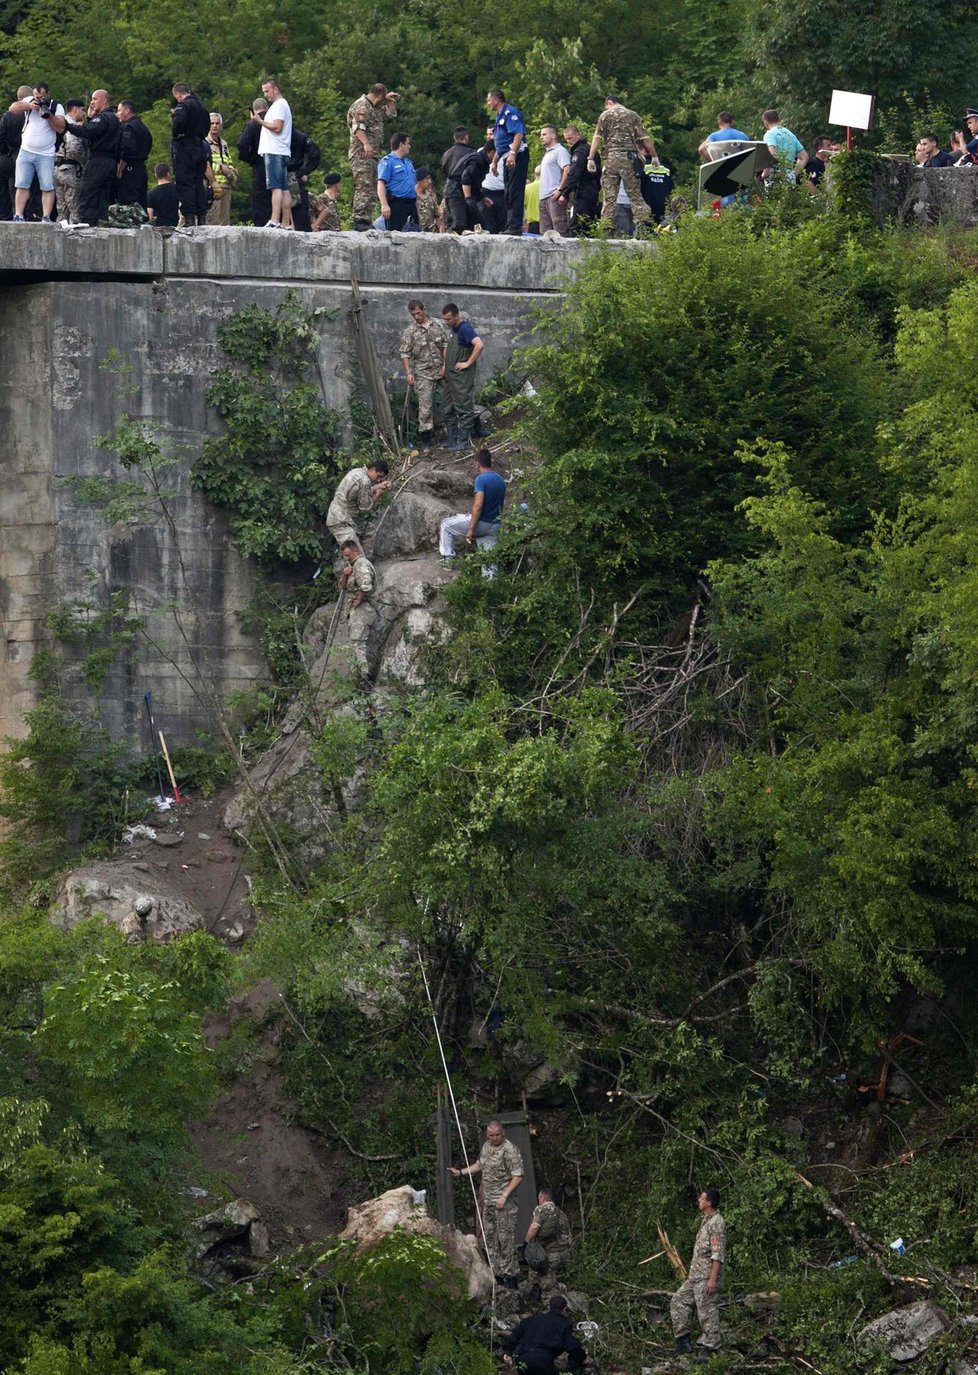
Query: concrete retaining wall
70	298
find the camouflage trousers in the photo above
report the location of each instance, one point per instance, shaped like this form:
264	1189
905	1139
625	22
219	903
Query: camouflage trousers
67	184
343	532
557	1261
499	1227
690	1297
365	204
425	389
619	167
360	622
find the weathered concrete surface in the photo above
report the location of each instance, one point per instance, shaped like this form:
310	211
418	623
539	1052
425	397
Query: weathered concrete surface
69	298
939	195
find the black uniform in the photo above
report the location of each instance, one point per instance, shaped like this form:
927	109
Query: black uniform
190	125
451	161
135	146
656	185
261	200
11	129
101	133
306	157
586	187
472	173
535	1343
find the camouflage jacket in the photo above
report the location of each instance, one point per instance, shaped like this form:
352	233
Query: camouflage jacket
428	212
553	1225
352	499
620	128
362	578
710	1245
499	1164
370	118
424	348
324	202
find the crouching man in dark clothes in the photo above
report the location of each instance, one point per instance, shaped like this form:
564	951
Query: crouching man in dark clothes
535	1343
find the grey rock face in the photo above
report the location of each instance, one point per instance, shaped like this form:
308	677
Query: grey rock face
906	1332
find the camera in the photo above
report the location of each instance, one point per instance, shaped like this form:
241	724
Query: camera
45	106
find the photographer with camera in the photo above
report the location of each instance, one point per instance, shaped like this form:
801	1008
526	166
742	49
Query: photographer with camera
44	121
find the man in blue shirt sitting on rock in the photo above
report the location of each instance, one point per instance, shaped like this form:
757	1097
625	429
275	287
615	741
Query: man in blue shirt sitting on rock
397	184
481	525
509	139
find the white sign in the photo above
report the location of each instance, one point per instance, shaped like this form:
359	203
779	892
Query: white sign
851	109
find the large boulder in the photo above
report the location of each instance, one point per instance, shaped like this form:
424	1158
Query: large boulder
906	1332
138	904
404	1208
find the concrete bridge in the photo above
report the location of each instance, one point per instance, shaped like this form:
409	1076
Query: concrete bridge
71	298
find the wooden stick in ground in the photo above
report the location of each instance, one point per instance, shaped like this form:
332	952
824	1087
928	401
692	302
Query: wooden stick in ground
675	1259
169	769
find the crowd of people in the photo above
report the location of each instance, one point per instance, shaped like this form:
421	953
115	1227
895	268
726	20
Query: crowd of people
90	163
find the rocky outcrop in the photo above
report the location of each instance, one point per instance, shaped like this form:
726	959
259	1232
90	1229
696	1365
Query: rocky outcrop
403	546
906	1333
231	1240
128	898
404	1208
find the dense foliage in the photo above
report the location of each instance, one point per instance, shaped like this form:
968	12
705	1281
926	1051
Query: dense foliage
682	825
687	808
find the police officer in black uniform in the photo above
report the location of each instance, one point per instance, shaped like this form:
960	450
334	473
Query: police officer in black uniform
261	200
535	1343
190	124
11	128
306	157
135	145
451	160
101	132
584	185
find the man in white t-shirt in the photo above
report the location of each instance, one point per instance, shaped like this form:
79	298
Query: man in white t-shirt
44	120
553	174
275	149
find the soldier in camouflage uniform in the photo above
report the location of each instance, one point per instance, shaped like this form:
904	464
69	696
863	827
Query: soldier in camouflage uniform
366	120
701	1289
354	499
326	215
501	1167
623	133
359	578
550	1227
423	346
427	203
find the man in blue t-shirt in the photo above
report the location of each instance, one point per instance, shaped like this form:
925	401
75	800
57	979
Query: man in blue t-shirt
786	147
397	184
723	133
481	525
509	139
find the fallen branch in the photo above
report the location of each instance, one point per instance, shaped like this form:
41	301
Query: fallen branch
675	1259
870	1248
